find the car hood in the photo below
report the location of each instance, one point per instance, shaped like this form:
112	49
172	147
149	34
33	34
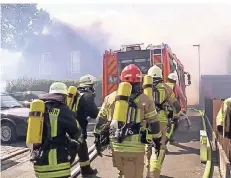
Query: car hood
23	112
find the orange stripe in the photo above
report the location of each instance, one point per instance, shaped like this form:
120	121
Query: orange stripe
111	66
112	70
112	88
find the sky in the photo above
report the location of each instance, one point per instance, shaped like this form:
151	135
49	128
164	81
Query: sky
179	25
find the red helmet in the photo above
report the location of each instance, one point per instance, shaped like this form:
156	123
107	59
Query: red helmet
131	74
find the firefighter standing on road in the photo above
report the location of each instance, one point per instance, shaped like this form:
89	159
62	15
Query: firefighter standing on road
128	137
224	119
84	106
162	94
172	79
51	157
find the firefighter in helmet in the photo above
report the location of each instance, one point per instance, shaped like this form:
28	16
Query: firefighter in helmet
163	95
172	83
129	132
223	119
53	157
84	106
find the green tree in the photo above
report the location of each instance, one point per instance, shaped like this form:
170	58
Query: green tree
20	23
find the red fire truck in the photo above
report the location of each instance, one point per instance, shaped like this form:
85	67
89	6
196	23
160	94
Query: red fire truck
160	55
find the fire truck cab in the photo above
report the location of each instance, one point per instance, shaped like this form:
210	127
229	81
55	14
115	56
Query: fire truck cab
160	55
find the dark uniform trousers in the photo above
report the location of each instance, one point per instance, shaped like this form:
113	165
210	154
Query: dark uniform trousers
83	154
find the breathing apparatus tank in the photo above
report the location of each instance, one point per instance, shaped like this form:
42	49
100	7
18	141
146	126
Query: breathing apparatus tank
147	86
35	122
121	103
72	90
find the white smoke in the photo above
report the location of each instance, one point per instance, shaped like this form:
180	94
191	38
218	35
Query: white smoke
180	26
9	66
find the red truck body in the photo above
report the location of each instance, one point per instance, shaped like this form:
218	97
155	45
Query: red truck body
161	55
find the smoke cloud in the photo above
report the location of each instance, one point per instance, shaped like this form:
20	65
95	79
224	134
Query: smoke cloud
9	67
180	26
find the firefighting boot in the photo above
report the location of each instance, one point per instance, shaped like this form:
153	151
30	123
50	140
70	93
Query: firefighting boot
87	170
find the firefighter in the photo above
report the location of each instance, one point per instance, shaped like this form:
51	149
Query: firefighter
129	133
51	157
224	118
84	106
163	96
172	83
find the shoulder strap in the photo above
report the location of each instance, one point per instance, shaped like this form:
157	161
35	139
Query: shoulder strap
47	124
76	101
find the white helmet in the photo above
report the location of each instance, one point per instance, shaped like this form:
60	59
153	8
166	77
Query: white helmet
87	80
155	72
173	76
58	88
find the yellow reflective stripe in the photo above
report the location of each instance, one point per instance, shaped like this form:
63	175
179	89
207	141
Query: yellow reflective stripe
134	145
78	126
133	111
53	121
138	119
52	157
162	117
52	167
171	131
76	105
125	148
150	114
158	135
85	163
62	173
162	95
171	85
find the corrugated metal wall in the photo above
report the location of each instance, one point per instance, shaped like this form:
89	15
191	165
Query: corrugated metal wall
215	86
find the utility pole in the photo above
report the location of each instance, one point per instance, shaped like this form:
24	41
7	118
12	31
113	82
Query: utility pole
199	69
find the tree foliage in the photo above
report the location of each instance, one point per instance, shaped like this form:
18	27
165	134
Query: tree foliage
20	23
30	84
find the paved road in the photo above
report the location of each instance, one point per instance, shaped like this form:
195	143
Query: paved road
182	160
7	149
25	170
19	165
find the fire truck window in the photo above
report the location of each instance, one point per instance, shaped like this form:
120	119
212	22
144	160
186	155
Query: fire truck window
127	61
143	64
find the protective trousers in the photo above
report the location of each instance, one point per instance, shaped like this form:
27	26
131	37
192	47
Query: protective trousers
130	165
54	163
171	129
153	161
83	155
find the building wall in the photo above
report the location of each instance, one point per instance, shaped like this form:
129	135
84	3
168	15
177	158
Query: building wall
215	86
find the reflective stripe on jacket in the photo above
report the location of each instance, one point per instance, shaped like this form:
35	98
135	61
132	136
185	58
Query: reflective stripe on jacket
76	103
146	113
163	94
179	94
223	116
55	162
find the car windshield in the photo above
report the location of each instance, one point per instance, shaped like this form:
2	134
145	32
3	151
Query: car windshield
8	101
